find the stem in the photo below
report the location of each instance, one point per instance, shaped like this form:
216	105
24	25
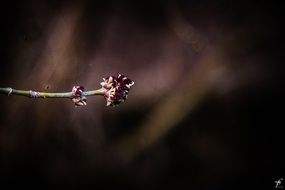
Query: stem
34	94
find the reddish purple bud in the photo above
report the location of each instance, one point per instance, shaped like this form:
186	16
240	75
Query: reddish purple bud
116	89
78	98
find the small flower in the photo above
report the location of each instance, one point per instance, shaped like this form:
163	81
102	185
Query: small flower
116	89
78	98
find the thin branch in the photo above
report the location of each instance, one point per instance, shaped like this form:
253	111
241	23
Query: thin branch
34	94
114	89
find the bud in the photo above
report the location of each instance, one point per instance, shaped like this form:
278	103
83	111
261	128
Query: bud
116	89
78	98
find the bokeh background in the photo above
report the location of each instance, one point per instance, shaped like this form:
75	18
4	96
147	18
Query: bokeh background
205	111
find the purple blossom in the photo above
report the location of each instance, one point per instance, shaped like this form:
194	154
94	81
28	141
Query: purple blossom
116	89
78	98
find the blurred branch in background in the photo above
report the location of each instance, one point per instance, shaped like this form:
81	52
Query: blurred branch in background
184	30
175	106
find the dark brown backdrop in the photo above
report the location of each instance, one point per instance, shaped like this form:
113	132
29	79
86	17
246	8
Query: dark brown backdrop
204	112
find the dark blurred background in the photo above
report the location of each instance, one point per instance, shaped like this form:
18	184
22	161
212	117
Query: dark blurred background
206	110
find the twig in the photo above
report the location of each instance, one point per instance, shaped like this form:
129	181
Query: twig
114	89
34	94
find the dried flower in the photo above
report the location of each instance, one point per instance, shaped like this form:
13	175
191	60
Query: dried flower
78	98
116	89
